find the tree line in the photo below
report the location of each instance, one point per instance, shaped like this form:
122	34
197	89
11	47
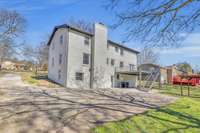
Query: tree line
154	23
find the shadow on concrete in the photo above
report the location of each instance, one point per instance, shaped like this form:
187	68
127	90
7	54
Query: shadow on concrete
31	109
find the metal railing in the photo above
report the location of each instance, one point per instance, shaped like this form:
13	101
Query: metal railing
126	69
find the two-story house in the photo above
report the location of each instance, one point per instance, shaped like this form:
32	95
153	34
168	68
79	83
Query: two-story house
89	60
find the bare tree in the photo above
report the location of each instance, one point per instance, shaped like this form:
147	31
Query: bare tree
158	22
12	25
30	53
148	55
43	52
197	69
6	49
38	56
184	66
81	24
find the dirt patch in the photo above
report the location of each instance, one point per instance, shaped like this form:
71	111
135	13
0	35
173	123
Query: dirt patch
2	93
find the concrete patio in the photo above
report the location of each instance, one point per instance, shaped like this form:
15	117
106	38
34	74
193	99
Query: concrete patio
31	109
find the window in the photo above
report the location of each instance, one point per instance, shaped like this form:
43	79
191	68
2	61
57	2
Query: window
112	81
112	62
118	76
61	39
107	46
107	61
60	59
121	51
87	41
116	49
86	58
59	74
124	84
131	67
52	63
79	76
53	46
121	64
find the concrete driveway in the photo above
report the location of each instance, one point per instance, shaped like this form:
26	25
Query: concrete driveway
29	109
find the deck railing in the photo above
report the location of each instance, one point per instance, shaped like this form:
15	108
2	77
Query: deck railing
126	69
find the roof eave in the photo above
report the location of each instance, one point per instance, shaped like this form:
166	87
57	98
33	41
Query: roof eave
129	49
69	27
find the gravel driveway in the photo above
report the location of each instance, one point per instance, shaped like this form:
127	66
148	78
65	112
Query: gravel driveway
30	109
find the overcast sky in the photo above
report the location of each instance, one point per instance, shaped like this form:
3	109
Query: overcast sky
43	15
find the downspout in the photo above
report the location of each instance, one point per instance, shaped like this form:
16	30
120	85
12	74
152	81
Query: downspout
92	63
66	55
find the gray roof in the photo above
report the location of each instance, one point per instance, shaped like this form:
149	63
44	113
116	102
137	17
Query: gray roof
124	47
89	34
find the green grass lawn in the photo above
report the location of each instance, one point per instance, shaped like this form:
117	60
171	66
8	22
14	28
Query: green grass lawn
183	116
2	73
175	90
40	79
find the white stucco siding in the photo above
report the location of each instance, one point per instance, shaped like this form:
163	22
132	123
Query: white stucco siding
101	77
127	58
72	50
55	50
76	49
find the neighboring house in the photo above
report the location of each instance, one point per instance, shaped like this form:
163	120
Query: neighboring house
89	60
150	68
15	65
164	76
174	71
8	65
166	73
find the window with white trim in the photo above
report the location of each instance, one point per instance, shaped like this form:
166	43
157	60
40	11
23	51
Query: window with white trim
121	51
61	39
87	41
107	61
52	62
112	62
108	46
60	58
59	74
53	46
121	64
79	76
116	49
132	67
86	58
118	76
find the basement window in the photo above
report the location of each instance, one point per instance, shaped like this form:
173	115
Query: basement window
79	76
59	74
